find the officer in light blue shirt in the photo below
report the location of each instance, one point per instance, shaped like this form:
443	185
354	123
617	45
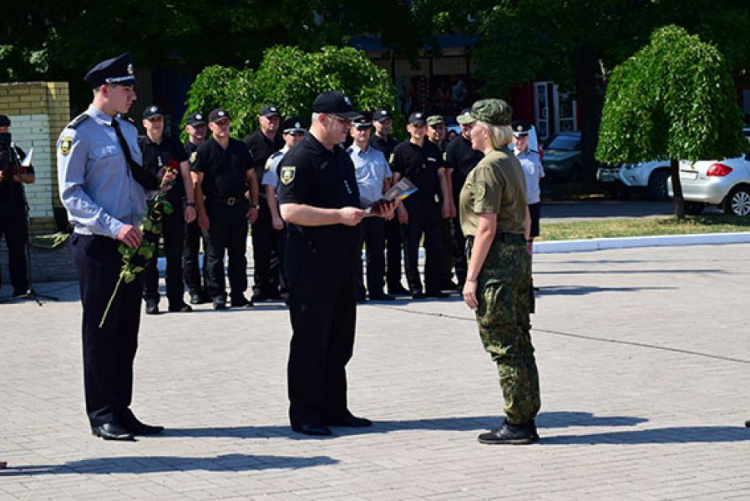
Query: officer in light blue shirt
103	187
373	178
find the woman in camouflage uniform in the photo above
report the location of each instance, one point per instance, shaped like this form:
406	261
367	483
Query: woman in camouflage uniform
495	220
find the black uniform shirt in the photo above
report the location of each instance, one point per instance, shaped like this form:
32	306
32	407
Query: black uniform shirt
261	148
156	156
313	175
384	145
223	170
420	165
460	157
11	192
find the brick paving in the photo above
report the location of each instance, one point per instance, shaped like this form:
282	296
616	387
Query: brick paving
643	355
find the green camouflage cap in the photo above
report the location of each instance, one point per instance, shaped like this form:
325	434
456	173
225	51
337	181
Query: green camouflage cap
492	111
434	120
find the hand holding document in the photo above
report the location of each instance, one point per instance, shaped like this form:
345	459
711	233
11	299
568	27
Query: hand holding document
398	191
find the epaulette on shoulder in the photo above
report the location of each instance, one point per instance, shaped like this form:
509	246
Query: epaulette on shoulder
127	119
275	154
77	121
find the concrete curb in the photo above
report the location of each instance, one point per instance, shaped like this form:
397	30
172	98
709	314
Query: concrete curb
596	244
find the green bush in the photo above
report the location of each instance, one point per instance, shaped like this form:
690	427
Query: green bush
290	79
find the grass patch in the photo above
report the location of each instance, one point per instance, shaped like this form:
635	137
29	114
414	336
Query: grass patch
647	226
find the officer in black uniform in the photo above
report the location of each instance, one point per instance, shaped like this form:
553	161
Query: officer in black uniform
193	274
382	140
320	203
262	144
13	208
225	170
159	151
421	162
461	159
103	187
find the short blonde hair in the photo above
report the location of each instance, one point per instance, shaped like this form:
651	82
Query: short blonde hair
500	135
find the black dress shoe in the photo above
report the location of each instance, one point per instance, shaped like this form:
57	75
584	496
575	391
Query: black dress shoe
180	309
350	421
152	308
112	431
220	303
199	298
398	290
417	295
241	302
382	296
316	430
511	434
436	294
134	426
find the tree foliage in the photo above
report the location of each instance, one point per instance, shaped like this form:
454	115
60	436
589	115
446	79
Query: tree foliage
290	79
673	99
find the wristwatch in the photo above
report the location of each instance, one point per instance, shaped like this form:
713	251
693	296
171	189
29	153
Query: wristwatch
190	204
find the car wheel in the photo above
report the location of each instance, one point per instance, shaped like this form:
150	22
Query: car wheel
657	185
738	201
694	208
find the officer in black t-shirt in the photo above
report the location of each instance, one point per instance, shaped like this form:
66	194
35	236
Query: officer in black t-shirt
13	219
161	151
382	140
224	172
192	273
461	159
319	200
262	144
422	163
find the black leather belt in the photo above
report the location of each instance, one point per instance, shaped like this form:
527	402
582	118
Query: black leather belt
228	200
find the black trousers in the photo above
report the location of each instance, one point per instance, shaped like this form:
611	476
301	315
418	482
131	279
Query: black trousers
13	225
424	220
192	273
227	232
447	246
108	352
265	254
373	237
173	232
322	308
393	240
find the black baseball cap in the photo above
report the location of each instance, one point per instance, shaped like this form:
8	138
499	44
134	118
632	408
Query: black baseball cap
381	115
218	114
269	111
196	118
293	125
152	111
118	70
417	118
336	103
4	121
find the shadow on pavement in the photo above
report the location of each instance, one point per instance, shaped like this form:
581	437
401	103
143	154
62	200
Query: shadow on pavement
584	291
671	435
159	464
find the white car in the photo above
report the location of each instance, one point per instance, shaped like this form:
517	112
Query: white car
724	183
651	175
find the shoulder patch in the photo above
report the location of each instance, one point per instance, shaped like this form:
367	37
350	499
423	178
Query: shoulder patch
193	157
287	174
77	121
390	160
65	143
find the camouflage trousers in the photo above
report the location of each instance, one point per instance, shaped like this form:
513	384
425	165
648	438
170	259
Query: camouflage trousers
505	296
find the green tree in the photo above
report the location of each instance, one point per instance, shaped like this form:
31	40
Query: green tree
673	99
290	78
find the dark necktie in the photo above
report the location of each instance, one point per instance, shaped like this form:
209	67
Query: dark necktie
144	177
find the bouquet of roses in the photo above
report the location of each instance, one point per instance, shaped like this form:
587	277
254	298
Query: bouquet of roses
134	260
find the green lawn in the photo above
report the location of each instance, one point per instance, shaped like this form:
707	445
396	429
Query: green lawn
647	226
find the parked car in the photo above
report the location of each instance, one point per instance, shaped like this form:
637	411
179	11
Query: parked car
623	178
724	183
562	157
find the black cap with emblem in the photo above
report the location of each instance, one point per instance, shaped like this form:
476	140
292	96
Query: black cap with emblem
381	115
196	118
520	128
218	114
417	118
335	103
152	111
118	70
269	111
293	125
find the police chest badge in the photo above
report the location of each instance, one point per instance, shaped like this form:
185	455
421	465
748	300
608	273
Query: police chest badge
193	157
287	174
65	144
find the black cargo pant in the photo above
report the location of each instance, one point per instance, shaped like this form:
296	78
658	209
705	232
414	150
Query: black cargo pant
373	236
227	232
192	273
265	254
173	232
425	220
13	226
